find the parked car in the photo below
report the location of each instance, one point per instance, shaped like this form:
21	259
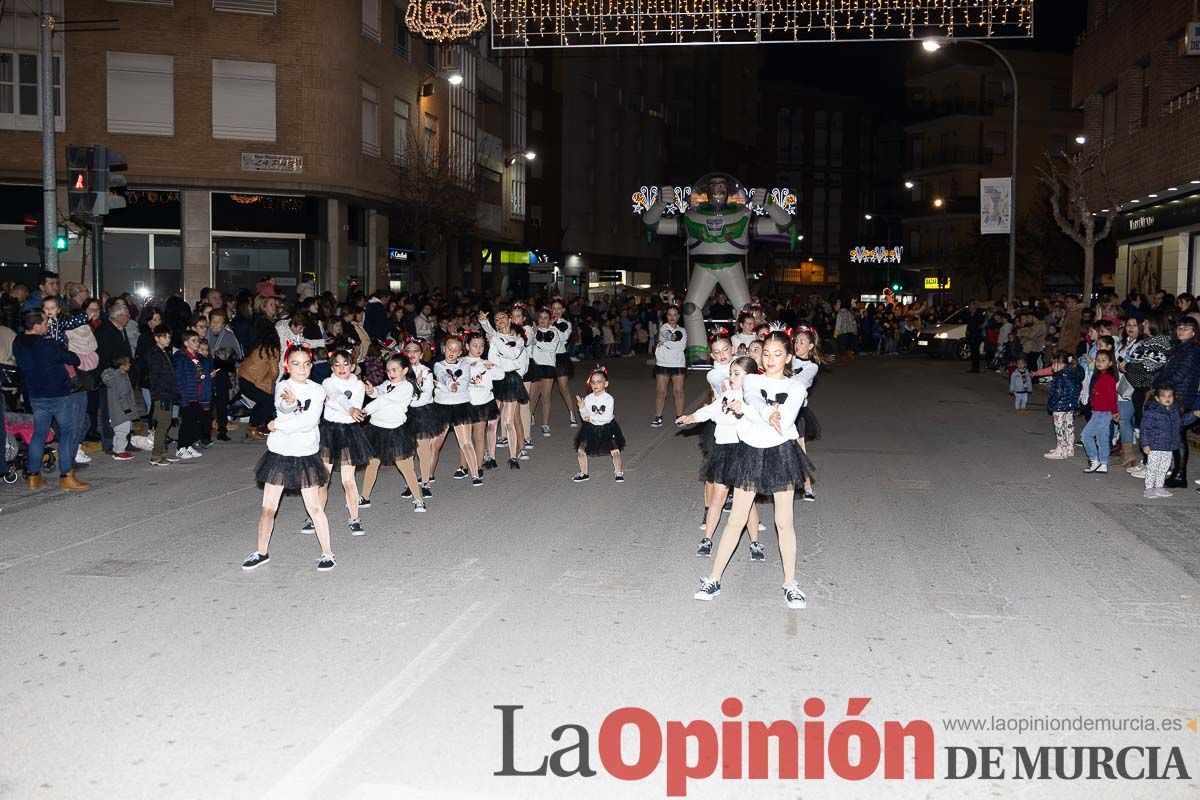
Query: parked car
948	337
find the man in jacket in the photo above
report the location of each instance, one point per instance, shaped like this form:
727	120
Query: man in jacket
43	364
375	319
112	340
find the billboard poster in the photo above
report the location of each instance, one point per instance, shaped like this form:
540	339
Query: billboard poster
995	205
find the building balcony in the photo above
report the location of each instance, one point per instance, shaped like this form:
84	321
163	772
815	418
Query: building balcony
922	115
489	151
952	157
489	80
489	218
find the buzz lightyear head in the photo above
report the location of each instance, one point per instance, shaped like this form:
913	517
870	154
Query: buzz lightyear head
717	190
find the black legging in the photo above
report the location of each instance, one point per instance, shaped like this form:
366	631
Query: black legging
264	405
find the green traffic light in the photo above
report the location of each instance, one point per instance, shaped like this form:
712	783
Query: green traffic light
896	287
60	243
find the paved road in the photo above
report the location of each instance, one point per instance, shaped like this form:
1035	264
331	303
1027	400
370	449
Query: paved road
950	571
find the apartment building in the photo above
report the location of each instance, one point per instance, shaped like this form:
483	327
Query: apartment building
261	135
1137	77
959	130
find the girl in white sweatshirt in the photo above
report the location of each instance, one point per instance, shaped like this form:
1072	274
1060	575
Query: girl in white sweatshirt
722	461
805	366
543	343
769	461
292	461
599	434
344	443
425	419
670	365
388	430
506	348
451	394
485	412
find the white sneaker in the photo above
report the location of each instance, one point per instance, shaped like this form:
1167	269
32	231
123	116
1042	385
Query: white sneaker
1092	466
196	453
186	453
1139	473
81	457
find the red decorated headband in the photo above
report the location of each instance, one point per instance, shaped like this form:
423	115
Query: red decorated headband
717	334
293	347
599	370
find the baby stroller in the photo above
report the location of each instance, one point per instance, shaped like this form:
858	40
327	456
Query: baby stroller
18	429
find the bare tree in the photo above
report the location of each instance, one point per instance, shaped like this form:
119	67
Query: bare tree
1067	176
437	195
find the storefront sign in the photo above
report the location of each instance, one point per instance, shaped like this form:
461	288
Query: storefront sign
1191	42
932	283
267	162
1181	212
396	254
876	255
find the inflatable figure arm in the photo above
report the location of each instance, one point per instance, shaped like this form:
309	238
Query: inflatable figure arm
654	220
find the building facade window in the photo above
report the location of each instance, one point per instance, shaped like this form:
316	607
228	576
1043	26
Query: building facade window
370	119
1109	121
265	7
20	98
142	262
400	119
517	137
243	98
431	131
370	19
400	39
463	129
141	93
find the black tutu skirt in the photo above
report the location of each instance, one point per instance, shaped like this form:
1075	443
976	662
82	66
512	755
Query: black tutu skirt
511	389
392	444
563	365
670	370
770	470
457	414
293	473
486	412
540	372
721	464
426	422
807	425
344	443
599	440
708	438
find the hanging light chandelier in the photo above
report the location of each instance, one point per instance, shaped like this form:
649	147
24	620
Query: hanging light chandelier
446	20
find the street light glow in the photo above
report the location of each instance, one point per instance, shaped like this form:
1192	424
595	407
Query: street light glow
530	155
931	45
455	79
909	185
1081	139
867	217
938	202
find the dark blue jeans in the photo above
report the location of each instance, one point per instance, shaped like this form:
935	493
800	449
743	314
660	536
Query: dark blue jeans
66	414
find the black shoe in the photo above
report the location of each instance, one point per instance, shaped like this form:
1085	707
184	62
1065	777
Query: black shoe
308	526
656	422
757	553
406	493
356	528
325	563
705	548
580	477
489	463
425	491
728	505
708	589
91	436
365	502
514	464
460	473
255	559
809	497
477	480
619	477
223	437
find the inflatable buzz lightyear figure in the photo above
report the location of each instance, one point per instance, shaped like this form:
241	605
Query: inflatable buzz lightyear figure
718	219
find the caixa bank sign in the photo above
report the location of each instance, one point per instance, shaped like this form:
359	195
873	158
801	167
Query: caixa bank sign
632	744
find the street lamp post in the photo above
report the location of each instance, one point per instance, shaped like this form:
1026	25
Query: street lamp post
932	46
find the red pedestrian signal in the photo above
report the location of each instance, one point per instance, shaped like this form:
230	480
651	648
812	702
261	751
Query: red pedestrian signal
80	182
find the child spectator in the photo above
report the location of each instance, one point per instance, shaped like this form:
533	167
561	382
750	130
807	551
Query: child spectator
1020	384
122	410
193	380
1160	432
1065	385
160	375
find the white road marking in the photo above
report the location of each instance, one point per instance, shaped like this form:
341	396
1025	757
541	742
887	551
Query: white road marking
312	770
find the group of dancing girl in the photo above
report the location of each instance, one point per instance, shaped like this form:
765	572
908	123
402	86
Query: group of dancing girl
754	443
484	390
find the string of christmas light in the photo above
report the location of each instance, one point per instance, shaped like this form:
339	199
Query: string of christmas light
447	20
588	23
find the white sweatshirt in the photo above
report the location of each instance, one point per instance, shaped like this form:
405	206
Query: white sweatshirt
562	326
545	344
390	406
741	341
598	409
716	376
766	396
719	412
341	396
452	382
506	350
297	426
425	385
805	371
672	344
480	387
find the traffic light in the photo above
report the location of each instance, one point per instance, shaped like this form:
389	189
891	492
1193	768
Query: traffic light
897	287
110	183
33	232
81	195
62	241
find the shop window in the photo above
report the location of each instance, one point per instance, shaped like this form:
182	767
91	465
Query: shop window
147	265
242	262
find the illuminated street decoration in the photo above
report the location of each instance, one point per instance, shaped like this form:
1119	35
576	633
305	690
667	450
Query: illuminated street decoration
446	20
876	255
685	198
594	23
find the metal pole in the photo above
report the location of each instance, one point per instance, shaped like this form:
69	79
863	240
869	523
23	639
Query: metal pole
1012	219
97	254
49	182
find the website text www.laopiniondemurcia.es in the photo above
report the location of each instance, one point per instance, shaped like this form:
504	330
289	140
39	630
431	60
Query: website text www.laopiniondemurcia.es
851	749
